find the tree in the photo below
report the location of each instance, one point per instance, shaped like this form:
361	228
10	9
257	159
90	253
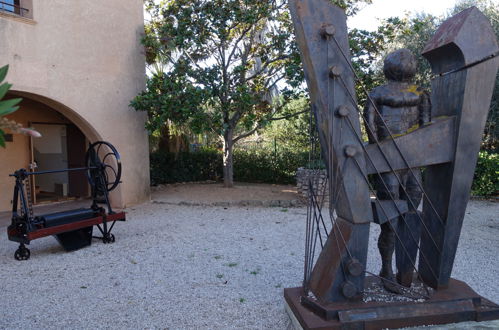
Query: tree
225	66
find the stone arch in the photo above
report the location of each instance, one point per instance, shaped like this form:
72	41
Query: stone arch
75	118
66	111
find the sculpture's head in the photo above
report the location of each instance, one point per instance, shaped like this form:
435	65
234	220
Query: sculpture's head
400	65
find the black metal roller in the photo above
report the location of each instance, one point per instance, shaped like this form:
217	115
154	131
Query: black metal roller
104	166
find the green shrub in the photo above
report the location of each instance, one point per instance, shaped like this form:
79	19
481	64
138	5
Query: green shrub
263	165
486	180
169	167
267	166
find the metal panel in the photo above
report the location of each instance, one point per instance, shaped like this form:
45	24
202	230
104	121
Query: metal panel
322	37
434	144
464	40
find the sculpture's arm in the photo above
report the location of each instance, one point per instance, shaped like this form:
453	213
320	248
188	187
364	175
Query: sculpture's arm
425	108
370	121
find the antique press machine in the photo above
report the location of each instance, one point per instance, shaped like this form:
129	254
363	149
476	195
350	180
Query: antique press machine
380	181
73	228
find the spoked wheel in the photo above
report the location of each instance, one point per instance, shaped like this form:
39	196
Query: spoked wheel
104	163
22	253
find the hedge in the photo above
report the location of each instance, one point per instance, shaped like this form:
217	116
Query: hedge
168	167
486	180
249	166
268	166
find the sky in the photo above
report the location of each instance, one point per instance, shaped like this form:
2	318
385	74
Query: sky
367	18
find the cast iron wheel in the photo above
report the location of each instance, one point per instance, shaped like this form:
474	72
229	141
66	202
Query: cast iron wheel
104	163
109	239
22	253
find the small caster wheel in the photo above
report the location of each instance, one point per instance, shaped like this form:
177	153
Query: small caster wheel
107	239
22	253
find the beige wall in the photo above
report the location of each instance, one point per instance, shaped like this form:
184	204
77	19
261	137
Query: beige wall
84	59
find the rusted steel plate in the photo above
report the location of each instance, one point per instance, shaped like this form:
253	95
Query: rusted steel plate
458	303
319	54
465	93
321	34
434	144
462	40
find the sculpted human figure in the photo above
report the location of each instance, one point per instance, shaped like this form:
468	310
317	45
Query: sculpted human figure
400	107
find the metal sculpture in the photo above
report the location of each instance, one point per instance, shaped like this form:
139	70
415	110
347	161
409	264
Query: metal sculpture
407	130
72	229
403	107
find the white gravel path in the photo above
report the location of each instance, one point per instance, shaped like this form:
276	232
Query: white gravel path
199	267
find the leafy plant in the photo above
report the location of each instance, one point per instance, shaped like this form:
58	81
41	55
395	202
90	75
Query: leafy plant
6	108
486	180
228	67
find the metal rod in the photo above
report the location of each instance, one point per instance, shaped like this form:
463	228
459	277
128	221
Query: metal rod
60	171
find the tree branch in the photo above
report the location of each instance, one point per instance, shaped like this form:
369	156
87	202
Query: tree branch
265	66
290	115
260	124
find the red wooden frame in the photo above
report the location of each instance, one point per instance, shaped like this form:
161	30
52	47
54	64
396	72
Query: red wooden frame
43	232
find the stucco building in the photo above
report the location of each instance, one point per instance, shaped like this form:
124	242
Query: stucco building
77	65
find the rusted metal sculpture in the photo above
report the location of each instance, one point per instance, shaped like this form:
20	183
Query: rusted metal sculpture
403	107
405	135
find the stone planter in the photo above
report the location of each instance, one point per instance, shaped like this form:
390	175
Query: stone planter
317	177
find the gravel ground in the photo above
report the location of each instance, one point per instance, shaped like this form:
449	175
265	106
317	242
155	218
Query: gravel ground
182	267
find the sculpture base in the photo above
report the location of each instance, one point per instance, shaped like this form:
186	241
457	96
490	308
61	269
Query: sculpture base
457	303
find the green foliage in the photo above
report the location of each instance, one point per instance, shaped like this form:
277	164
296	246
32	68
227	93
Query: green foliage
223	66
7	106
486	180
262	165
292	133
168	167
223	58
267	166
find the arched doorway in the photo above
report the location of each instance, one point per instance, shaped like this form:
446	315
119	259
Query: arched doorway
65	137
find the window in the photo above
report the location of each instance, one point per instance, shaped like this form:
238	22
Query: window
10	5
15	7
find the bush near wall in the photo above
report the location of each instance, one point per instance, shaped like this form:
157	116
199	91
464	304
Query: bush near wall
249	166
268	166
486	180
169	167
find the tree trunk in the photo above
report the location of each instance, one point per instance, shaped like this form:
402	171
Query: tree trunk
164	139
228	163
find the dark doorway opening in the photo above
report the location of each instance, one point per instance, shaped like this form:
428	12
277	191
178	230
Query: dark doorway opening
61	146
